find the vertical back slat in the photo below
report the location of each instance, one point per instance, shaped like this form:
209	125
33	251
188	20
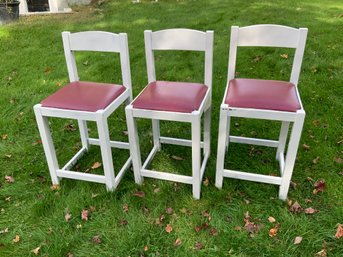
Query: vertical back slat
149	54
70	58
209	58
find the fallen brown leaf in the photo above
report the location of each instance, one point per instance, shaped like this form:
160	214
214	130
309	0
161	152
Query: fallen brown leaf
316	122
213	232
322	253
238	228
197	229
284	56
96	165
271	219
298	240
9	179
70	127
306	147
316	160
178	158
16	239
338	160
123	222
319	186
4	136
273	231
169	228
257	59
339	231
125	207
157	190
296	208
169	210
67	216
178	242
69	254
310	210
96	239
84	214
198	246
139	194
4	231
146	248
36	250
206	181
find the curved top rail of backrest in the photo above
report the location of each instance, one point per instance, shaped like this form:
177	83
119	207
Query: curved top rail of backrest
94	41
178	39
268	35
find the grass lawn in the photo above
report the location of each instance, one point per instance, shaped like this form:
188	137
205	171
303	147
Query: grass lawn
32	66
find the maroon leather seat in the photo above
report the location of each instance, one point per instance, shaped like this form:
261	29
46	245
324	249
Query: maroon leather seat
84	96
171	96
262	94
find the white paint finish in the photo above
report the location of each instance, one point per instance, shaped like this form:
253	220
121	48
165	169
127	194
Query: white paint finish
94	41
178	141
253	141
179	39
273	36
167	176
81	176
115	144
174	39
104	41
268	35
252	177
291	154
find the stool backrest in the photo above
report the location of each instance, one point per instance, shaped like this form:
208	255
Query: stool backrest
179	39
266	35
98	41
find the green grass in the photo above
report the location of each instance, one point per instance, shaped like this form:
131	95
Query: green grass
32	66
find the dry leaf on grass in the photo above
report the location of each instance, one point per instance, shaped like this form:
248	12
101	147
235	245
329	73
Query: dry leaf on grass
310	210
84	214
169	228
125	207
67	216
9	179
338	160
139	194
16	239
316	160
295	208
284	56
96	165
271	219
319	186
36	250
96	239
298	240
306	147
322	253
169	210
177	242
213	232
339	231
177	158
198	246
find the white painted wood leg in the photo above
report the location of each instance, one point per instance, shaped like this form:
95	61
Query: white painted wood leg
207	131
106	152
282	138
223	135
83	133
134	145
156	133
227	139
291	154
48	145
196	154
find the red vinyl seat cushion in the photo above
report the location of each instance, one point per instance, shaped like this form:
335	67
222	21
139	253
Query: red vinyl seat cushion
171	96
262	94
84	96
